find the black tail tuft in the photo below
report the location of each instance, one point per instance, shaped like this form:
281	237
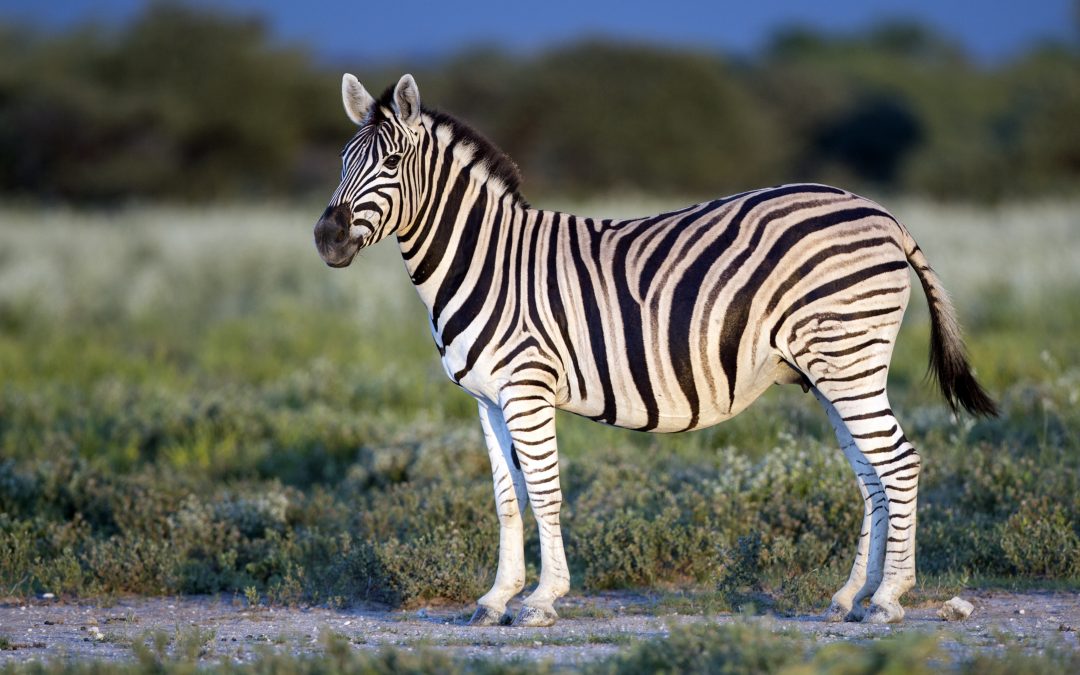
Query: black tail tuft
950	367
948	357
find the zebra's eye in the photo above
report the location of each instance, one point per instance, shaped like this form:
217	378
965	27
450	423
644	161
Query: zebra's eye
391	162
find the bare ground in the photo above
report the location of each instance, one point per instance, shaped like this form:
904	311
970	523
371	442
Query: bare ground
594	626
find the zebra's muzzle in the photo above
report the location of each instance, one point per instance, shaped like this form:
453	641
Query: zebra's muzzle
333	236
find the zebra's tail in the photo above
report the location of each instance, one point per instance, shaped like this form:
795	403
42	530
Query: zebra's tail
948	356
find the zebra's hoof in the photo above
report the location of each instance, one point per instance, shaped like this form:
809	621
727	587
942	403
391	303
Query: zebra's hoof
835	613
486	616
856	614
890	613
535	617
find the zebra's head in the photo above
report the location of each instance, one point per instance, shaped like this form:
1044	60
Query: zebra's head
379	170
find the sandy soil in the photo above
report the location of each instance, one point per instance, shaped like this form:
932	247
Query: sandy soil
594	626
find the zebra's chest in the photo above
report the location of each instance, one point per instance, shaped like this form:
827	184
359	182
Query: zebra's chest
470	367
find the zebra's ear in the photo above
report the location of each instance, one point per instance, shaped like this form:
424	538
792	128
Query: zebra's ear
407	100
356	99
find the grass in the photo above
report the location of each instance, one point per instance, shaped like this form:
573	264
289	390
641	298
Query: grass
741	647
191	402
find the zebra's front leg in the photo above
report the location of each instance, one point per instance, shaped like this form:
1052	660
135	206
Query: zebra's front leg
866	571
509	502
530	419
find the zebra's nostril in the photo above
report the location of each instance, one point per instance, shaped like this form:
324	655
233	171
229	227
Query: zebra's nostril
340	236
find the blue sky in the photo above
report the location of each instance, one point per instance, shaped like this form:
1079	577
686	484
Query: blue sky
343	30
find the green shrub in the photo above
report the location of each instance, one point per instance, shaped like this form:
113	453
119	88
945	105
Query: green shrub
704	648
1040	540
906	654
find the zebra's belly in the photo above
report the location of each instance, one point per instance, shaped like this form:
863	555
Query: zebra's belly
669	417
667	414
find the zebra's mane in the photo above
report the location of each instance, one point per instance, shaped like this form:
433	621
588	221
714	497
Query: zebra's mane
498	163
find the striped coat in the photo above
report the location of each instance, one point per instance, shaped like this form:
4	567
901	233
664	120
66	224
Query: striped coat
666	323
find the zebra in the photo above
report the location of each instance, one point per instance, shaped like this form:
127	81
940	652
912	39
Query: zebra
664	323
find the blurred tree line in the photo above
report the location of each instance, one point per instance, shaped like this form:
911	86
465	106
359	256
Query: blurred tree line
183	104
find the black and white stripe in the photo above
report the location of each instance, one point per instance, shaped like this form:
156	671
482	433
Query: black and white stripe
665	323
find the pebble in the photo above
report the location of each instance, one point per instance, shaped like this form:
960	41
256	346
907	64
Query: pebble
956	609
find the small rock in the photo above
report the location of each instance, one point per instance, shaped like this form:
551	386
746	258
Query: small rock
1066	628
47	596
956	609
1019	611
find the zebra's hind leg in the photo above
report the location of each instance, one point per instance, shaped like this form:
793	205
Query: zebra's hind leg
866	571
877	434
509	502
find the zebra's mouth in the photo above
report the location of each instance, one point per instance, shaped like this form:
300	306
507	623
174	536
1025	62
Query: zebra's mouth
343	262
355	239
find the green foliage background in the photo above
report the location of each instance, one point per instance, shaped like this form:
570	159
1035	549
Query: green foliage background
190	402
188	105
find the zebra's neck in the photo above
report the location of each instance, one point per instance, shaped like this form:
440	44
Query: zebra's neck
469	243
463	226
